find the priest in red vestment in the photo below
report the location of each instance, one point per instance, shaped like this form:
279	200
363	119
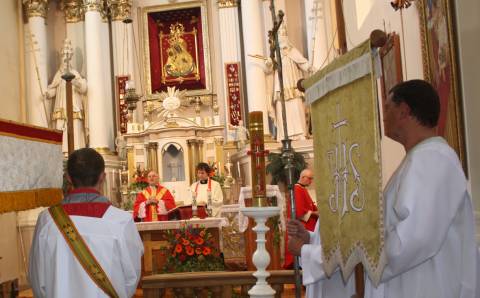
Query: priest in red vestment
153	203
306	210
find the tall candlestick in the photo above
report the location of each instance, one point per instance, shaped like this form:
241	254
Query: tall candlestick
257	153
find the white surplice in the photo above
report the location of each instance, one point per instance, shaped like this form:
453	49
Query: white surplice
430	228
202	195
314	278
114	241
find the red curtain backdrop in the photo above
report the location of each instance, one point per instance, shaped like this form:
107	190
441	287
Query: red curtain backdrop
190	18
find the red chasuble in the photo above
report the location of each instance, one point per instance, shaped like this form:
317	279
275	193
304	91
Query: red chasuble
304	205
152	210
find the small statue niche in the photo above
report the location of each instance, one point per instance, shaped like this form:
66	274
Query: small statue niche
173	166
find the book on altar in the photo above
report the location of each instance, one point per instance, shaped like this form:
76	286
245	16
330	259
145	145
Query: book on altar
185	212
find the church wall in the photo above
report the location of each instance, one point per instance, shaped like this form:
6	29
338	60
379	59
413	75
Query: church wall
218	82
364	16
295	12
56	33
12	109
10	71
468	28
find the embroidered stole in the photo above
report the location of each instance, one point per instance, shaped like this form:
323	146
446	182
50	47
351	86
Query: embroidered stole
209	195
81	250
158	195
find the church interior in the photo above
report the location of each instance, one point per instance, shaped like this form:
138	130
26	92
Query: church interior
163	85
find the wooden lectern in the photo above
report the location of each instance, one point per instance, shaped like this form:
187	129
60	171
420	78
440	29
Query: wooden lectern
185	212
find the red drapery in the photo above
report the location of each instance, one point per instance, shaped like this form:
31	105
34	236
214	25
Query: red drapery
158	22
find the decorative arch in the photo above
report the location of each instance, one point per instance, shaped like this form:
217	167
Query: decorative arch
173	162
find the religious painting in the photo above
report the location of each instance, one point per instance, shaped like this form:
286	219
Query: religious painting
232	75
440	68
390	55
176	48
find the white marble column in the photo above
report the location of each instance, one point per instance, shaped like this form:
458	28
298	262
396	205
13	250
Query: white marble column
123	51
123	44
253	37
99	77
36	62
230	42
74	17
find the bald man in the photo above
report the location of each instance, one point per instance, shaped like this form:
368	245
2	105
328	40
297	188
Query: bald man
306	210
153	203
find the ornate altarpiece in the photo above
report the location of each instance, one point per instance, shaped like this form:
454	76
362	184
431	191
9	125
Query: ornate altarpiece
176	48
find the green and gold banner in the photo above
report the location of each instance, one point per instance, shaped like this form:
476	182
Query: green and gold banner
347	163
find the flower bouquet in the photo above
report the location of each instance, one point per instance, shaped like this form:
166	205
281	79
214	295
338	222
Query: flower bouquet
140	181
215	174
190	250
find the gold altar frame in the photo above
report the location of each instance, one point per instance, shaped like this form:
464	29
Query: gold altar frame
202	4
454	125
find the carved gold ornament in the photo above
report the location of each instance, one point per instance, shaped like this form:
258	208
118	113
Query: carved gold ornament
227	3
96	5
120	9
73	9
36	8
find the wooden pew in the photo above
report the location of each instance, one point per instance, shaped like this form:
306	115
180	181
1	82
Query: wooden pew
220	283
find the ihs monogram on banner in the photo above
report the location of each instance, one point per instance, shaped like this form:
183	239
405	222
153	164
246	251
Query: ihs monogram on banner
341	168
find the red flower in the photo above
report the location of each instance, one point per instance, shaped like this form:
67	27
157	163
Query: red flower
185	242
178	248
198	251
182	258
177	236
190	250
199	241
206	251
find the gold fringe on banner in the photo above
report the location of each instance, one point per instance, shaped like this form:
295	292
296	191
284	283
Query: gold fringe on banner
29	199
